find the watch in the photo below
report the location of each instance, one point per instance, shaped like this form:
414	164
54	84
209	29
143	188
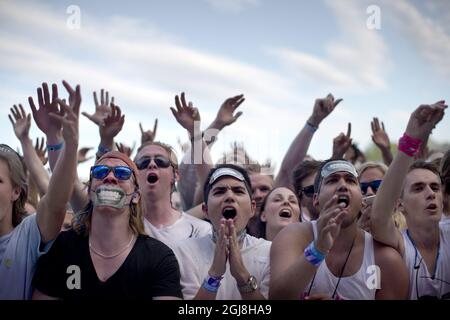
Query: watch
250	286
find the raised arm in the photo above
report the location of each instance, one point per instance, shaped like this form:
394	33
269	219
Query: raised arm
148	135
420	125
381	140
52	207
226	116
21	124
189	118
299	147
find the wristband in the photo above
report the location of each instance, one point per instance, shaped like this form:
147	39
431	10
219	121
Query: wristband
311	127
409	145
211	284
102	149
314	256
55	147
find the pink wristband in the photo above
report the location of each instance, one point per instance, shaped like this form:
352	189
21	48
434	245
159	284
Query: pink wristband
409	145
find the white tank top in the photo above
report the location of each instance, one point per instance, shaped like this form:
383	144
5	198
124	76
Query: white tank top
422	282
358	286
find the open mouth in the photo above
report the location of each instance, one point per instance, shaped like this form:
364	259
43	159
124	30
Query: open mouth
229	213
344	199
152	178
432	206
285	214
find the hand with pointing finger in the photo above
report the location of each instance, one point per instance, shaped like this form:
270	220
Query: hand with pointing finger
322	109
341	143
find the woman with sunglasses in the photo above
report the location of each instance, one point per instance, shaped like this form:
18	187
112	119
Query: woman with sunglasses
370	177
107	254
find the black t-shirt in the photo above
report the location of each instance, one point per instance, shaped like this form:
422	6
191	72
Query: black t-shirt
67	272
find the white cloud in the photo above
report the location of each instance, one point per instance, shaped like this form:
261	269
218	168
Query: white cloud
232	5
357	59
427	35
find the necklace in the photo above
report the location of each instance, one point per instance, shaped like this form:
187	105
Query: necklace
340	274
91	247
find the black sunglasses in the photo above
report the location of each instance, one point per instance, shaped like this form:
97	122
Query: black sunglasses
160	161
375	184
308	191
120	172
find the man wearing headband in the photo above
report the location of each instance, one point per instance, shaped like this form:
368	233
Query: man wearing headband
415	188
229	264
333	257
107	254
23	241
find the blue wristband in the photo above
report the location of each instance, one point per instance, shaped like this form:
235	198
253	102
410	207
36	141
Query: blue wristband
103	149
55	147
211	284
314	256
311	127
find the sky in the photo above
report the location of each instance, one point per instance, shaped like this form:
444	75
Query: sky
384	58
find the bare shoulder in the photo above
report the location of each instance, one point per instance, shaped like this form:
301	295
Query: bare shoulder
295	236
385	255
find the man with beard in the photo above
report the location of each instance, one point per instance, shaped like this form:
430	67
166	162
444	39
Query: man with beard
332	257
303	179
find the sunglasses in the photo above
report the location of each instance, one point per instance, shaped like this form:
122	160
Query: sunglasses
308	191
375	184
120	172
160	161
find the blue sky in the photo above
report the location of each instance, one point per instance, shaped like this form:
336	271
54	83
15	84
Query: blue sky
280	54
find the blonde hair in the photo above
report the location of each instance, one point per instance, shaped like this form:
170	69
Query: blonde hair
18	180
372	165
172	155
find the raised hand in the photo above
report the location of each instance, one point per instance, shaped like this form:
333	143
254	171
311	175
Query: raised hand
149	135
21	122
237	267
70	118
322	108
341	143
121	147
329	224
82	155
225	116
102	109
379	135
424	119
41	150
50	126
112	124
185	114
219	263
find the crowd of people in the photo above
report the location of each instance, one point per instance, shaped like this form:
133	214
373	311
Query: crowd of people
161	228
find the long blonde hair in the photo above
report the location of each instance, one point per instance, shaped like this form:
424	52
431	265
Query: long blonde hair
18	180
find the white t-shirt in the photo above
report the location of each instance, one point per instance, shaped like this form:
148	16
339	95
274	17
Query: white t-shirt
19	253
195	257
420	279
445	219
185	227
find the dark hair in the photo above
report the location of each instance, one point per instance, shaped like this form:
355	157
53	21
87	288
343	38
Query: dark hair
303	170
207	187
